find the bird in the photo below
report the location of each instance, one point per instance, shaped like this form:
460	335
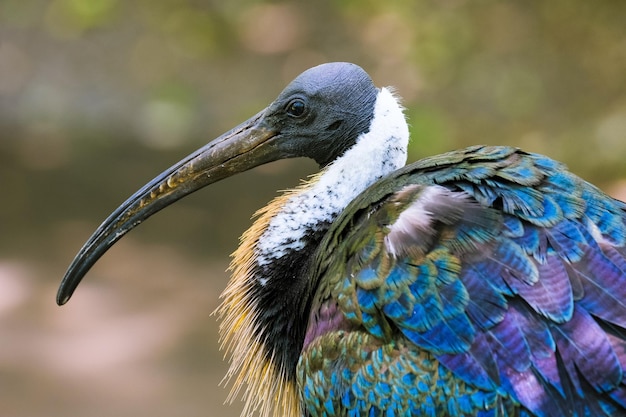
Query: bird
485	281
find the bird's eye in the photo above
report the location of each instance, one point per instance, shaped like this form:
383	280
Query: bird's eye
296	107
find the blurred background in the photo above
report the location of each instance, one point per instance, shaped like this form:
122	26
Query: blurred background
99	96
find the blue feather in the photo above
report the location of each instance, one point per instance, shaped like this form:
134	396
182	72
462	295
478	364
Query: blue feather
534	242
607	214
515	266
486	305
568	240
513	226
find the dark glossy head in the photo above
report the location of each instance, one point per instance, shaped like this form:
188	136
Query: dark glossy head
321	113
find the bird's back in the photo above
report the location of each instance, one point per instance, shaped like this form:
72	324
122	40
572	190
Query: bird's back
486	281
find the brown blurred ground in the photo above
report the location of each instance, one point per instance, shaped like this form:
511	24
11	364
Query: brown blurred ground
98	96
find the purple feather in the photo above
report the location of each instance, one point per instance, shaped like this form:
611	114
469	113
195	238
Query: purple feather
326	319
586	350
476	366
603	286
507	341
551	295
547	367
529	390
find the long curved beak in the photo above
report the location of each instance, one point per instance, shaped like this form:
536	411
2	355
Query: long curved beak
246	146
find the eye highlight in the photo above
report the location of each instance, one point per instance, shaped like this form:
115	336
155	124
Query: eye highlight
296	107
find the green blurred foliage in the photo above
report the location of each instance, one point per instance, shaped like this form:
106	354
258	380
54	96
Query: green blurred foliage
489	71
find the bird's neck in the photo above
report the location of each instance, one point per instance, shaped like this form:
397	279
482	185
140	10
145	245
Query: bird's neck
312	207
264	305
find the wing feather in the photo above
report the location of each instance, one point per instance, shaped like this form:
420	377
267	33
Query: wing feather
510	270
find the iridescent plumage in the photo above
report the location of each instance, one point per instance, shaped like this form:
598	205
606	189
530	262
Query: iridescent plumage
507	297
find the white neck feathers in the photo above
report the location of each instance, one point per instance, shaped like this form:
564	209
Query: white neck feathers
381	150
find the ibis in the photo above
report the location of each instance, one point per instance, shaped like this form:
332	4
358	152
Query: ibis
486	281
